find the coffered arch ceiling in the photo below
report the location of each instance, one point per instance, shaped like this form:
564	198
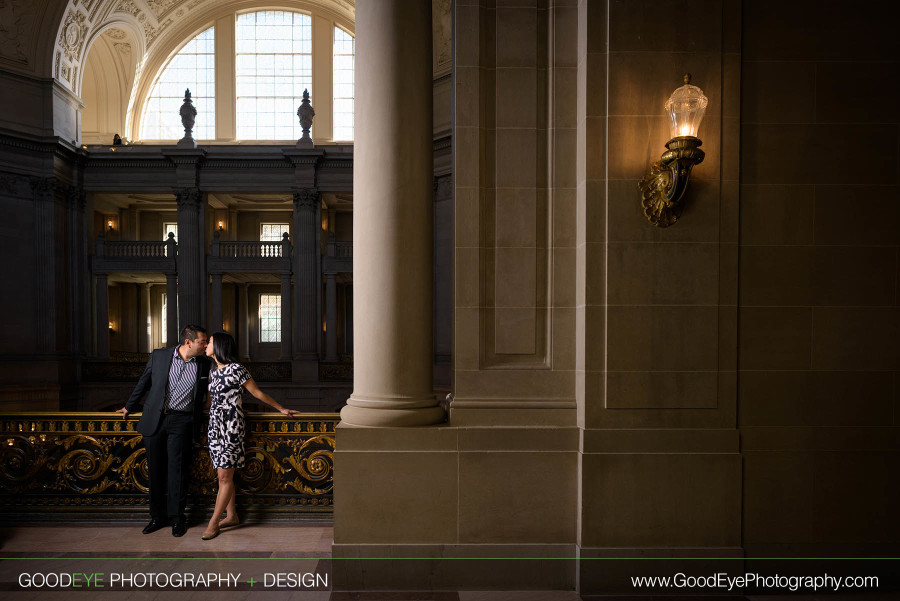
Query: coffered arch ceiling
110	73
159	25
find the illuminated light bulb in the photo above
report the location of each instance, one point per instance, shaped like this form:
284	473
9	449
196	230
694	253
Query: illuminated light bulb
685	108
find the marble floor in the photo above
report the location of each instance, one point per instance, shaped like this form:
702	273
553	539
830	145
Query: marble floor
248	553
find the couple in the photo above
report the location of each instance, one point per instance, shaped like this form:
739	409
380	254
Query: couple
178	379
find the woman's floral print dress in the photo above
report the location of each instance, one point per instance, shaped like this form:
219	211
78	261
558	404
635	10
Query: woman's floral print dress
226	417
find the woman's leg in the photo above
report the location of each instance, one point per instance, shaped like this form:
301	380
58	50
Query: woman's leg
225	494
230	509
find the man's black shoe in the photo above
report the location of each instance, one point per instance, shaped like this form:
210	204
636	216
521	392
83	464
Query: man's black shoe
155	525
179	526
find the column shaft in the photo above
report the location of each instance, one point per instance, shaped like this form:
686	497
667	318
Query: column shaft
392	217
189	257
77	247
171	310
331	317
287	331
215	321
145	344
102	316
44	239
244	321
305	267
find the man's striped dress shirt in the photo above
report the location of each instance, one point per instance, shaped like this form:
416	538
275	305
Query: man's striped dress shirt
182	377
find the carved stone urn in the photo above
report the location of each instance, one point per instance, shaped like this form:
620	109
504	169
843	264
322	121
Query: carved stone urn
188	113
306	113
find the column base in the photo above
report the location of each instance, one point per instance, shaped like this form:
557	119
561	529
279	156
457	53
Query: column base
387	417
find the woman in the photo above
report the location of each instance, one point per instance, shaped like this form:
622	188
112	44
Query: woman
226	423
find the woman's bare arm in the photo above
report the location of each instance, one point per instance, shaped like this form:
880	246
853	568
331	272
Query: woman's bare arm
253	389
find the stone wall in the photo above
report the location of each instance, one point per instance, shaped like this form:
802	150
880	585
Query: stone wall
820	323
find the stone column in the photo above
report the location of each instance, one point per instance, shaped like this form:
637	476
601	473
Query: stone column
331	317
287	332
102	316
305	267
171	310
244	321
77	254
145	344
215	320
189	256
203	250
45	236
392	217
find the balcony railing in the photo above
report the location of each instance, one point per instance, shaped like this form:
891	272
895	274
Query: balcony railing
250	250
94	463
252	257
114	256
343	250
135	249
225	257
338	256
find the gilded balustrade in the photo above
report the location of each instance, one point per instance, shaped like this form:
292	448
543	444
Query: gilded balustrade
92	462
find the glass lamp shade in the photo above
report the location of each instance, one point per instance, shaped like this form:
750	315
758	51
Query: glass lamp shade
685	108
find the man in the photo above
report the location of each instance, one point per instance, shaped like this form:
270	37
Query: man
177	378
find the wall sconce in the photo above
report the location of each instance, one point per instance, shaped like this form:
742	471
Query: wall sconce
663	187
109	224
221	225
112	328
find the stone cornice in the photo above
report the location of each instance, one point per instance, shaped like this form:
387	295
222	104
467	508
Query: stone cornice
181	156
44	144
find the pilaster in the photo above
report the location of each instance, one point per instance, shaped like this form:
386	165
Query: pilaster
190	256
306	278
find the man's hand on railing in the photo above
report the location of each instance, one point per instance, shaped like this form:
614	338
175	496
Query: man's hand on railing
124	412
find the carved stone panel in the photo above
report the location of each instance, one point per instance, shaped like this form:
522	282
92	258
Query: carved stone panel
16	25
442	29
73	34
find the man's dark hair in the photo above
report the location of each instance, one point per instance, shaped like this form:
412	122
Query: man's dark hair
224	348
190	332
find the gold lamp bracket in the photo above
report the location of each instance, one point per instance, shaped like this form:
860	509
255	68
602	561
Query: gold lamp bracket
662	189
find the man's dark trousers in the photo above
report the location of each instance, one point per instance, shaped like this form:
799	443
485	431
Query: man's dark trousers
171	444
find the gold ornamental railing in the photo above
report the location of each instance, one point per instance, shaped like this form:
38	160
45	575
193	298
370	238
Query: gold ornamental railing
89	463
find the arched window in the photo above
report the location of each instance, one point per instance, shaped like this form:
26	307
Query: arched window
259	63
193	68
272	68
344	51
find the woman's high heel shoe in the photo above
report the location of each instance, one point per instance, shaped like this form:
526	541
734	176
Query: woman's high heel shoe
207	535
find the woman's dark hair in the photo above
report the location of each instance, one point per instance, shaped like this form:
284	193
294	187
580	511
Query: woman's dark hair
224	347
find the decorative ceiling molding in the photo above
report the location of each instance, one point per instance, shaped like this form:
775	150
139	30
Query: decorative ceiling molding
154	19
115	34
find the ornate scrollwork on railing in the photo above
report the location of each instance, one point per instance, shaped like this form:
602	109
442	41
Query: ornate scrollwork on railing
92	461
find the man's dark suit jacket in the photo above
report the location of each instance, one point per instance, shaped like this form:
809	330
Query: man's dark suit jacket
155	379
